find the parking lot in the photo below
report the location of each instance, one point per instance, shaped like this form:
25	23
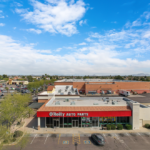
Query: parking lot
122	141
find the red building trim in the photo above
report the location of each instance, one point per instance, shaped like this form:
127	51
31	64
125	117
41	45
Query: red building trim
85	114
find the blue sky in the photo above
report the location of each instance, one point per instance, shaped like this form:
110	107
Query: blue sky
75	37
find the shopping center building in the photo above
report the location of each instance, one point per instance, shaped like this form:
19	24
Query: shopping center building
64	108
88	86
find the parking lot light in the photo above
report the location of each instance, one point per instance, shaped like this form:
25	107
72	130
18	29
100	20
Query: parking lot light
76	144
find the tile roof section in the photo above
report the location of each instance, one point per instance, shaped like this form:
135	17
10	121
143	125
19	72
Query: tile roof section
50	88
84	108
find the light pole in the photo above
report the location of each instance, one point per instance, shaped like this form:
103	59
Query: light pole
76	144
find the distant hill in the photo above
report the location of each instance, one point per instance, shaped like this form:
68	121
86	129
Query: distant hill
141	74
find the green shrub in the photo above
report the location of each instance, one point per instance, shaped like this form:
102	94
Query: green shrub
113	127
18	123
5	141
13	140
108	127
147	125
128	127
18	134
119	126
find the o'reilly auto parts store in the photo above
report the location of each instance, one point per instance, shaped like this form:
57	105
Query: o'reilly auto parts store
64	111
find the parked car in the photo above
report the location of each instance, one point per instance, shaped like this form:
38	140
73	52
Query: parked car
98	138
4	91
2	94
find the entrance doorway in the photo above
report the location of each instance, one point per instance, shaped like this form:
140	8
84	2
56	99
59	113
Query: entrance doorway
94	121
75	123
56	122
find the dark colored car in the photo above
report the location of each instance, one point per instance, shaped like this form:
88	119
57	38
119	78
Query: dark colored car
98	138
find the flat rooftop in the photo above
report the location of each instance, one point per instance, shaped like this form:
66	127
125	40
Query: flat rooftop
89	101
95	80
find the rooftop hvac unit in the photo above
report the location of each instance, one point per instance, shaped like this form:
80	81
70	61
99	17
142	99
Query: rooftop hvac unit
72	103
113	103
95	104
57	103
66	100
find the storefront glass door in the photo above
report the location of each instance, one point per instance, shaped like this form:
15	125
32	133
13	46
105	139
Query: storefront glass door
55	122
94	121
75	123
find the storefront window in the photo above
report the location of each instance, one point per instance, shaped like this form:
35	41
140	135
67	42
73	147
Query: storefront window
94	121
61	122
65	122
123	120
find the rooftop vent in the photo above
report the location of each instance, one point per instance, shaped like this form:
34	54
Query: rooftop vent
57	103
72	103
66	100
95	104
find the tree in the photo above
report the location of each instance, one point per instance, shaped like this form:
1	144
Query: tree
5	76
7	89
12	109
30	79
119	77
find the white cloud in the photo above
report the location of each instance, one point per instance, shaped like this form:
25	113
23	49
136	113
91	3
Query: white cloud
136	23
146	34
34	30
14	28
58	49
83	49
88	39
18	4
2	24
98	57
82	22
1	11
83	43
55	16
2	16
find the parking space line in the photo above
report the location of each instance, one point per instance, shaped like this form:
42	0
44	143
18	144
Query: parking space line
121	141
143	138
33	139
105	138
59	138
130	137
46	139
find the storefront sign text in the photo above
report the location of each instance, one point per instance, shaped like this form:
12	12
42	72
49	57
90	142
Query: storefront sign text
60	114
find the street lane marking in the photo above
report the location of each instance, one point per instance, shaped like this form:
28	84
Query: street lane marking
46	139
59	138
65	142
33	139
87	142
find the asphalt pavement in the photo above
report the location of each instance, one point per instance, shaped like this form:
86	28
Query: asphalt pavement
121	141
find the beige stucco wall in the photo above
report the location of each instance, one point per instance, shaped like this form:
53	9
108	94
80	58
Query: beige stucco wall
145	115
134	120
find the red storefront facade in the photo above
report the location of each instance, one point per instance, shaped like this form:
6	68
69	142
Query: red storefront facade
85	114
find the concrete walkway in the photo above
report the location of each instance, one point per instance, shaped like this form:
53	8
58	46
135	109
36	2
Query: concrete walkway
30	126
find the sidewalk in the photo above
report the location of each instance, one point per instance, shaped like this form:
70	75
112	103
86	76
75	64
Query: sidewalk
31	122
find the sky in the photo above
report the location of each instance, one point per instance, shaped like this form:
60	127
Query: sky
74	37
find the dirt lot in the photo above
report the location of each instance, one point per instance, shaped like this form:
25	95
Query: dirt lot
122	141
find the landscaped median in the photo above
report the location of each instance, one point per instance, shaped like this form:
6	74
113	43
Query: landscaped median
19	138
